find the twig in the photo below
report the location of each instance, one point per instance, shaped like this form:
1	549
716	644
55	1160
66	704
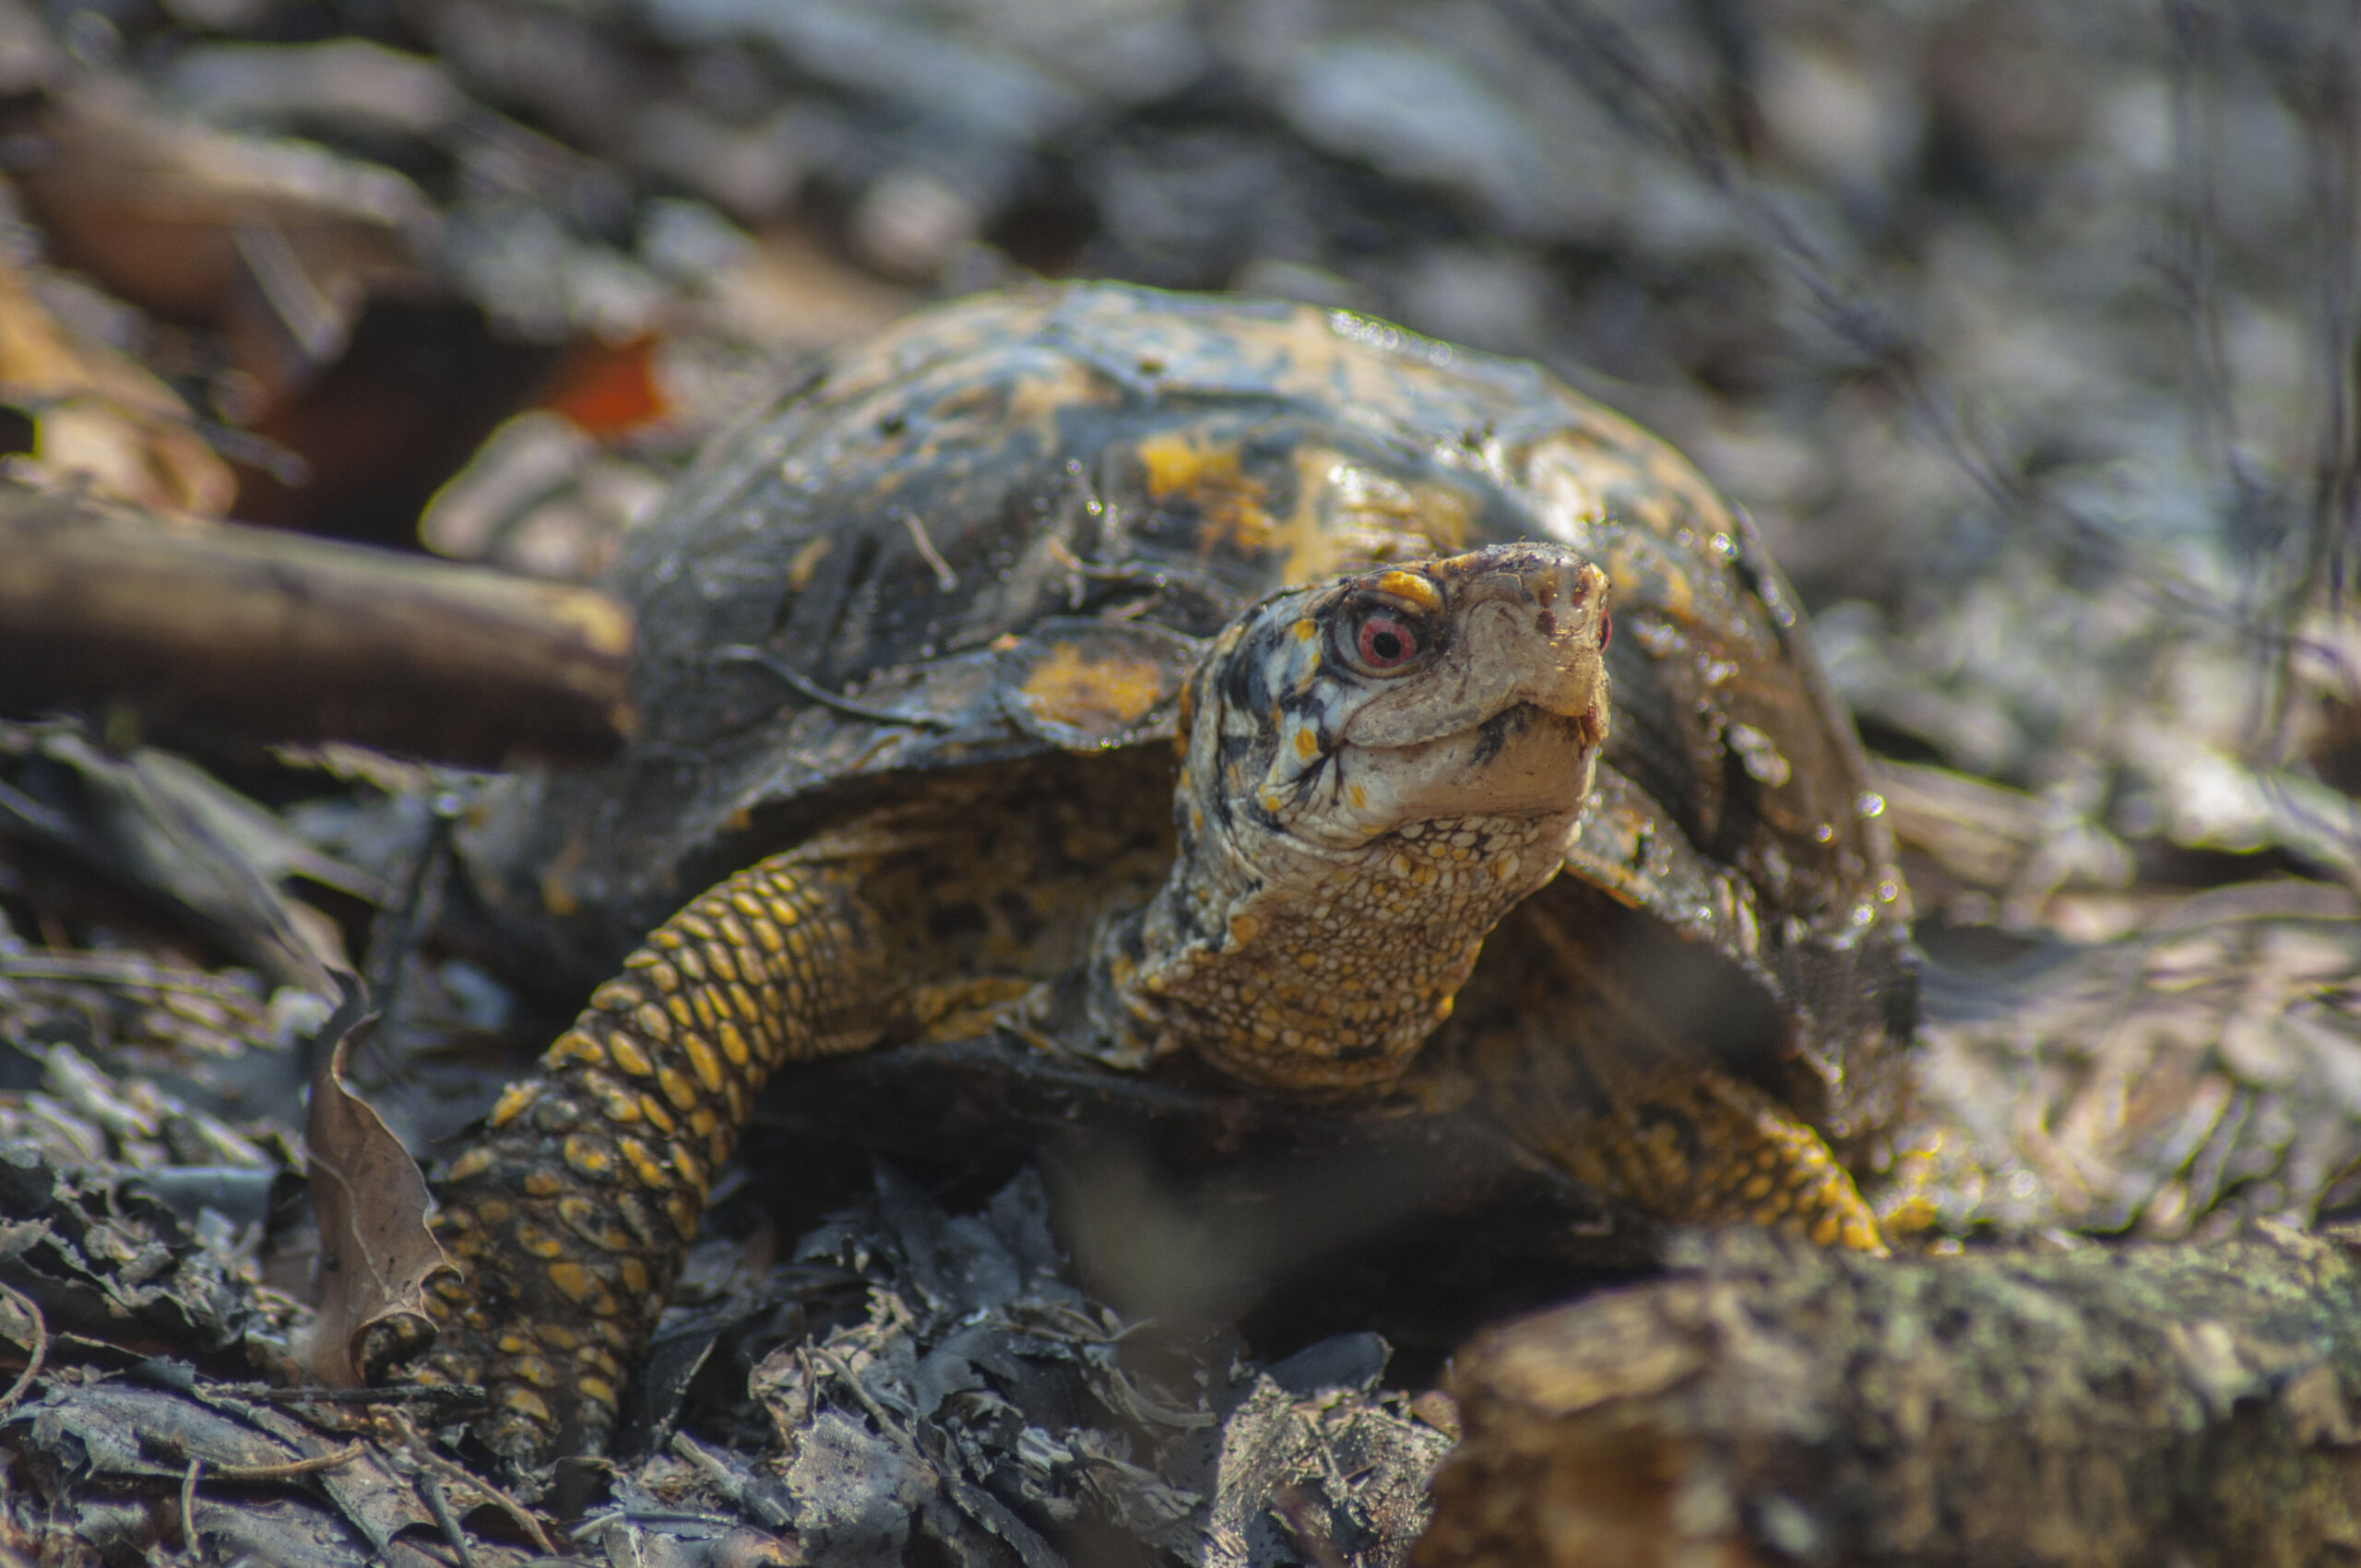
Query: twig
312	1464
188	1505
877	1412
943	575
393	1393
440	1506
522	1517
37	1352
772	664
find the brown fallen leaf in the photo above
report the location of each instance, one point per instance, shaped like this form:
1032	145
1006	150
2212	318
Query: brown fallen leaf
276	242
377	1255
99	419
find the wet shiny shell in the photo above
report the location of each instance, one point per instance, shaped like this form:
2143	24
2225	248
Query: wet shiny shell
997	531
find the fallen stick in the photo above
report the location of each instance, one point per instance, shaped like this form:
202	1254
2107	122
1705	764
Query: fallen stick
2101	1407
276	636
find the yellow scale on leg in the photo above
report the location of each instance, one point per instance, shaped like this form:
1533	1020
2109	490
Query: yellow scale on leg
570	1217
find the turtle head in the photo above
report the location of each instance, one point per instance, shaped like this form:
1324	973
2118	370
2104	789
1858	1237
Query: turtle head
1376	770
1475	685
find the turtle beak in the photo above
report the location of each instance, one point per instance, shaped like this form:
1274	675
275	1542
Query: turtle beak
1533	631
1541	613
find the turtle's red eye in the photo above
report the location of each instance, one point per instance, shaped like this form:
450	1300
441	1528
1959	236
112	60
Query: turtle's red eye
1605	629
1386	643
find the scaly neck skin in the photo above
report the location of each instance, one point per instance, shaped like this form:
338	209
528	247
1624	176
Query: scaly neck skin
1329	976
1376	771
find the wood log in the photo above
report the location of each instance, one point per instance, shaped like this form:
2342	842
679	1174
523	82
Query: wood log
267	636
2192	1405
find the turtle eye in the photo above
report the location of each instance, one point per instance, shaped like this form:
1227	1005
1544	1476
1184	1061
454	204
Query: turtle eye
1605	629
1384	643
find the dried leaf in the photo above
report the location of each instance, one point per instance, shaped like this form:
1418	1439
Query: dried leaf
279	242
169	827
98	419
376	1254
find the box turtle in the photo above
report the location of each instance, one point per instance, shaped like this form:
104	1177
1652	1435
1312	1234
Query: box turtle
1177	684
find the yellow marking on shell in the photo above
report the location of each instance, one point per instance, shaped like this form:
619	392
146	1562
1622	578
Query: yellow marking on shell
1307	744
1243	930
615	996
744	1000
667	940
691	921
513	1101
526	1403
654	1022
475	1163
721	959
1306	630
733	1045
683	1216
557	1336
511	1345
703	1121
1097	696
574	1046
766	936
1360	796
686	1164
634	1274
703	1062
535	1370
676	1088
1412	587
784	912
588	1156
628	1055
654	1110
701	1002
1638	563
573	1281
494	1211
544	1184
598	1390
1174	463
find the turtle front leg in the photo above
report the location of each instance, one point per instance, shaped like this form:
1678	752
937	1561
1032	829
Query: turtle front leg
1698	1146
1591	1084
571	1214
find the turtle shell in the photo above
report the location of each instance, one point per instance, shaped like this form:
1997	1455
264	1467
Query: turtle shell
1001	531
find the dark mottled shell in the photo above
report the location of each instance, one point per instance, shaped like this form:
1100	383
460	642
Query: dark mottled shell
997	530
